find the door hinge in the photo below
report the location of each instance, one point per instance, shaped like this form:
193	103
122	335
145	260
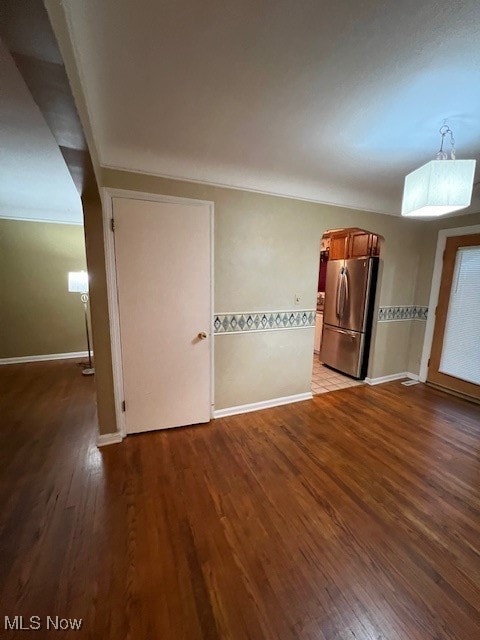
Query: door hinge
124	406
428	363
112	224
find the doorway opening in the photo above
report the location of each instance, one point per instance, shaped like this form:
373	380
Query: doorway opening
347	280
41	217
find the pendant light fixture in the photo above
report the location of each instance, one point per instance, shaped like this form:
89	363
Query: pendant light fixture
441	186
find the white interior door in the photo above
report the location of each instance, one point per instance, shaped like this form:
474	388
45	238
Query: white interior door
163	263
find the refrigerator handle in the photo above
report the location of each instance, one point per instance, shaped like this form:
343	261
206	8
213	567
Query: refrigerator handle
352	334
339	288
341	294
346	295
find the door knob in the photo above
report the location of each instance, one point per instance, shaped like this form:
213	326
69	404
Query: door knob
202	335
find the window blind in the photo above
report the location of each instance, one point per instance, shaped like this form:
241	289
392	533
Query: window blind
461	341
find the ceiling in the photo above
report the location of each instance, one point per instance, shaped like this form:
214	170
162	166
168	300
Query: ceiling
35	183
26	30
330	101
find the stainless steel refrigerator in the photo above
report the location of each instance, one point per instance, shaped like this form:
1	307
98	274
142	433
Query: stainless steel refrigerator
348	313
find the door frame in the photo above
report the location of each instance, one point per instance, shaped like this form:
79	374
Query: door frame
107	195
443	234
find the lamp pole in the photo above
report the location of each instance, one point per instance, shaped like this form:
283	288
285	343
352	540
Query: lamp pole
78	283
88	371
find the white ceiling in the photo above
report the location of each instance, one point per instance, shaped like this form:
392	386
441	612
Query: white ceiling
332	101
35	183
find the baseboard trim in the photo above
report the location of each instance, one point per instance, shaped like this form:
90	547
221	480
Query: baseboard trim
109	438
451	392
257	406
391	378
45	357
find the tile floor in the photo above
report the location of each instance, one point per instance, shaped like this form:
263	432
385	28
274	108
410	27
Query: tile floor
325	379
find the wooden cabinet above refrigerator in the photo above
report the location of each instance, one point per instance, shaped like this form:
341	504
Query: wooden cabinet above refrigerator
343	244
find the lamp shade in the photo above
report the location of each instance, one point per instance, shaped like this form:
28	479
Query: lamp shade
439	187
78	281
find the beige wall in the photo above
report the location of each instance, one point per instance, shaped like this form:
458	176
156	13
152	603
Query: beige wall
415	346
38	315
252	367
267	247
266	251
390	350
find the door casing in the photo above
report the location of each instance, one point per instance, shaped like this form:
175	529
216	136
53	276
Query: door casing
435	376
107	194
443	234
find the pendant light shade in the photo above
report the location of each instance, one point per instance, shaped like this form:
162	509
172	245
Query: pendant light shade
78	281
440	186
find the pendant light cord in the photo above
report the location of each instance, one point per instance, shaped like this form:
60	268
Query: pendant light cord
441	155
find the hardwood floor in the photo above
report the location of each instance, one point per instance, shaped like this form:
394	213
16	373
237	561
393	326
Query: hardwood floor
354	516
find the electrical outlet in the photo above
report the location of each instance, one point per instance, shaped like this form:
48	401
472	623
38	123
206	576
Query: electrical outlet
298	298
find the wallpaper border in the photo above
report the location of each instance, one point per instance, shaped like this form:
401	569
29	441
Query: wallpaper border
250	321
245	322
402	312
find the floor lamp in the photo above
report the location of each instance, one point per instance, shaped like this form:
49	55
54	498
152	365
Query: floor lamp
78	283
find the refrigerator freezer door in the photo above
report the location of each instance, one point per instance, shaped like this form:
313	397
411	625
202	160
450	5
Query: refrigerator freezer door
354	294
342	350
332	292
